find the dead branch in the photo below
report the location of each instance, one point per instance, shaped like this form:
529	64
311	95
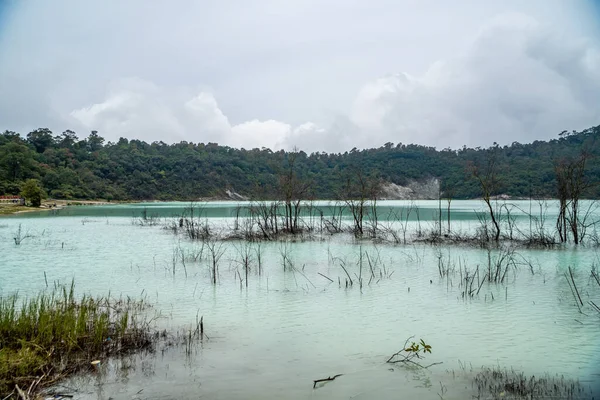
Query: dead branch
398	353
326	277
331	378
574	286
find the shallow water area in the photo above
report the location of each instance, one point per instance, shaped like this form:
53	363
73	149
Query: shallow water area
272	335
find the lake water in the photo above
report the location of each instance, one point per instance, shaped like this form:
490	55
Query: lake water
288	327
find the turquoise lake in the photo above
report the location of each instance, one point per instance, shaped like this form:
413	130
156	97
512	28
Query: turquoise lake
271	336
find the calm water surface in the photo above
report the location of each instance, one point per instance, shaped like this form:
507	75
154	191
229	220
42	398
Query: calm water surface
287	328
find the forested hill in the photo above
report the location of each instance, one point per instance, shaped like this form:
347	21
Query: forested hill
69	167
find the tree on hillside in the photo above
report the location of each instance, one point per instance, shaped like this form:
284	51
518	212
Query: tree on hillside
67	139
17	162
41	139
9	136
32	192
94	141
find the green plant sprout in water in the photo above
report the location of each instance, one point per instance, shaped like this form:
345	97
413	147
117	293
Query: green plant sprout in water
409	354
415	348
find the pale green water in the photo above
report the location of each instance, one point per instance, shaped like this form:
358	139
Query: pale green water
289	328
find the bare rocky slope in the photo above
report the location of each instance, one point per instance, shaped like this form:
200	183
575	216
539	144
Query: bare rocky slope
428	189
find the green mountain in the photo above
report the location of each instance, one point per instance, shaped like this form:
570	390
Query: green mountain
72	168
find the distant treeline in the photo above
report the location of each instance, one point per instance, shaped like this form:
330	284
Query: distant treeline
68	167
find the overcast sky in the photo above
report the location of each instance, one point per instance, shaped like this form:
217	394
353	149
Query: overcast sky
322	75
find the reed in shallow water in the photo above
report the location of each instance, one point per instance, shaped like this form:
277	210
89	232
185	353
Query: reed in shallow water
54	334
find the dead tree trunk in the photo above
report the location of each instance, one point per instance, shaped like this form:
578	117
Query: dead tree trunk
486	176
571	184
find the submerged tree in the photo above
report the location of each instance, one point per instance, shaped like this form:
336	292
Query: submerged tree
359	190
448	190
294	190
486	174
571	184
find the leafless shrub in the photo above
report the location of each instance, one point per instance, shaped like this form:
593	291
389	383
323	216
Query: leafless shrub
20	235
216	249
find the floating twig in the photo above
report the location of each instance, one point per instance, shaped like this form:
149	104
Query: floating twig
331	378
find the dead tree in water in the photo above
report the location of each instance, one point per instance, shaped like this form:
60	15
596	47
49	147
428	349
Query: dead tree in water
245	252
264	214
359	191
486	175
448	191
293	190
571	185
216	249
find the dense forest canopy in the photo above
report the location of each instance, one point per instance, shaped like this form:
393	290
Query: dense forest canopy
68	167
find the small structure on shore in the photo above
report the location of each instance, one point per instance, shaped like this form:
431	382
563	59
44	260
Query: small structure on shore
10	199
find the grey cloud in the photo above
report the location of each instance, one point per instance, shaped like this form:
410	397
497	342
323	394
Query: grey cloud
300	72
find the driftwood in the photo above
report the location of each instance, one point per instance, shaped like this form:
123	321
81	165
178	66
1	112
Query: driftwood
325	380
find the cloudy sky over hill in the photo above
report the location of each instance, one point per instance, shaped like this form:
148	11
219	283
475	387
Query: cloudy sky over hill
325	75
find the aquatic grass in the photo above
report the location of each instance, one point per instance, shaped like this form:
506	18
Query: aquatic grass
499	265
497	383
54	334
368	263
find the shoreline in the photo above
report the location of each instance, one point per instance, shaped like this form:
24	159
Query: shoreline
50	204
54	204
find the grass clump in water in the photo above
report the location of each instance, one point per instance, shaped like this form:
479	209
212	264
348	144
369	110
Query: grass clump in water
48	337
496	383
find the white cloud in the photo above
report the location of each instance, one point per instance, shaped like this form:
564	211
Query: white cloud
134	108
257	134
205	117
518	81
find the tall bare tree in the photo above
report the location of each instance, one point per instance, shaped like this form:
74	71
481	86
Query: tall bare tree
486	174
448	191
571	184
294	190
359	191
